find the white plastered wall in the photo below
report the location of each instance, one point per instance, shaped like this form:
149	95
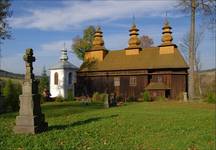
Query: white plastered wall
63	86
57	90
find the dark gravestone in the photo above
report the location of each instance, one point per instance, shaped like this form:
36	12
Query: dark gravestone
106	101
30	119
112	100
1	104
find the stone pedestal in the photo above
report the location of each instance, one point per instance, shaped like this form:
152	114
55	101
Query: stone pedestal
30	119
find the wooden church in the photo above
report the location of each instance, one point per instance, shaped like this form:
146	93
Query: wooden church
129	72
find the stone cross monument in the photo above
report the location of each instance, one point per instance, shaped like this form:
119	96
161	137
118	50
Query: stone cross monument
30	119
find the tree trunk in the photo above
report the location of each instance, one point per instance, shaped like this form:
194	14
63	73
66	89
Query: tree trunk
198	78
191	50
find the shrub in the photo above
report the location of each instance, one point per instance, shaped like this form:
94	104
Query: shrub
211	97
11	92
59	99
160	98
70	96
146	96
132	99
96	97
42	99
140	99
99	97
180	96
103	97
119	99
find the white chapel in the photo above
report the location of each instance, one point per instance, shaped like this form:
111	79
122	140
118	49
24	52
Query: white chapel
62	77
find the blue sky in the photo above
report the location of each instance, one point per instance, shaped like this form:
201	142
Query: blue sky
45	25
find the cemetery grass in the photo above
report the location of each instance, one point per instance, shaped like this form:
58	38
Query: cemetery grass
143	125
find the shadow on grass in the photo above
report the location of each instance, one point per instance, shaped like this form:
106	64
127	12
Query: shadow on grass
59	105
68	108
79	123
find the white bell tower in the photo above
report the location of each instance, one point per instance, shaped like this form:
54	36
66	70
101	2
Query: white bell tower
62	77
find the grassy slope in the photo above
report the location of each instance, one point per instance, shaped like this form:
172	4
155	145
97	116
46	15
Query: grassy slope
163	125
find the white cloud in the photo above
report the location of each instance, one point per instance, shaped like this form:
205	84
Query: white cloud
57	45
50	53
74	13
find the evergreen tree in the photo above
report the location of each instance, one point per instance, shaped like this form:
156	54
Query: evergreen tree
44	81
44	86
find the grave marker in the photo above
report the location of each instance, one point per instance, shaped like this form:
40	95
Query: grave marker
30	119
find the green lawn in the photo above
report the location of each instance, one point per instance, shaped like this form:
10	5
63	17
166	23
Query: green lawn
149	126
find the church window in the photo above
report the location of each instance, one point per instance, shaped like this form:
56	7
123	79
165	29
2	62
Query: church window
56	78
159	79
116	81
132	81
154	94
70	78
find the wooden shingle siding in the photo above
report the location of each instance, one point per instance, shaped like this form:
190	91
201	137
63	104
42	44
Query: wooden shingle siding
174	80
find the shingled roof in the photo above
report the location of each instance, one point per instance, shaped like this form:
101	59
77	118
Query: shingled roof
148	58
156	86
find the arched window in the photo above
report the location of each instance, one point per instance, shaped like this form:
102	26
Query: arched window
70	78
56	78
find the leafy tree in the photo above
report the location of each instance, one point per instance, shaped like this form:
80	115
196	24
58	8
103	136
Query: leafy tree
146	41
80	45
4	26
207	8
4	14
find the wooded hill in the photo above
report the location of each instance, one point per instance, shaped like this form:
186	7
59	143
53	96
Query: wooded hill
7	74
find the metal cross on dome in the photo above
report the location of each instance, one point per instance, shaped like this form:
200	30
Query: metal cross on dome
133	19
64	46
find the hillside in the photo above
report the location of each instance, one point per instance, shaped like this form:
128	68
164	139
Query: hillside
7	74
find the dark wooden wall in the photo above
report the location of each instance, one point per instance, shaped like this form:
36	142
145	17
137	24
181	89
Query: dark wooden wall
88	84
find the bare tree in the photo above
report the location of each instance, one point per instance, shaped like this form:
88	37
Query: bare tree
185	45
146	41
207	8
